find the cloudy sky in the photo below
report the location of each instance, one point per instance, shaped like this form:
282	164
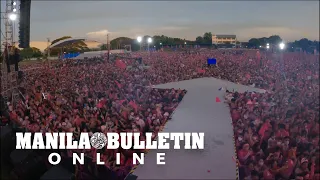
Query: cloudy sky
184	19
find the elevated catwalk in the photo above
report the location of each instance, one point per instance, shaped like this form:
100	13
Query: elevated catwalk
198	112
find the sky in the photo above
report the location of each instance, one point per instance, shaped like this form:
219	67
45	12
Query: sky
292	20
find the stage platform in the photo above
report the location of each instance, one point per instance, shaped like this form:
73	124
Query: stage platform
198	112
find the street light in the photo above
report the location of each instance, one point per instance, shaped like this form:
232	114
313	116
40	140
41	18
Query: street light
139	39
268	47
185	42
14	3
13	16
160	43
281	46
149	41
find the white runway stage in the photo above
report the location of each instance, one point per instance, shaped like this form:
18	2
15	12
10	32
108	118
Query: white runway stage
198	112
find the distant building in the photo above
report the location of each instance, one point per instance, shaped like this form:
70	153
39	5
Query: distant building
224	39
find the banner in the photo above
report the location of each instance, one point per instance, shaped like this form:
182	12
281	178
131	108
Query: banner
201	71
121	64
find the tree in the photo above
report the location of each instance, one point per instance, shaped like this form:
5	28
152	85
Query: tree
120	42
104	47
263	41
274	39
253	43
31	52
316	45
199	40
207	38
36	52
256	42
306	45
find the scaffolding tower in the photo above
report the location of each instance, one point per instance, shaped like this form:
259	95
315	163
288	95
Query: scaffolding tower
9	84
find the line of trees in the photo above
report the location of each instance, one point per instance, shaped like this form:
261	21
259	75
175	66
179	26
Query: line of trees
157	40
257	42
304	44
161	40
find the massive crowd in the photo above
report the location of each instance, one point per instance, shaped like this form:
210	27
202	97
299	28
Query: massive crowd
277	133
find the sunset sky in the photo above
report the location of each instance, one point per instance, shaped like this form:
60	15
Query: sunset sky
184	19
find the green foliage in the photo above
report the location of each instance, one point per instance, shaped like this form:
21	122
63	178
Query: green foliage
31	52
103	47
207	38
305	44
199	40
274	39
256	42
120	42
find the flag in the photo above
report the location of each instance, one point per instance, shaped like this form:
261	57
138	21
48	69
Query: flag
118	84
201	71
121	64
134	105
121	101
218	99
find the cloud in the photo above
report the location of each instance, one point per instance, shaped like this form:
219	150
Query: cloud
171	28
98	34
134	32
101	35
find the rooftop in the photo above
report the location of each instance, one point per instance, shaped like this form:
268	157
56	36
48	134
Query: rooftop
226	36
68	41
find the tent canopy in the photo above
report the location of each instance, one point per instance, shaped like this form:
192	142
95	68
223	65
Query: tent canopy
68	41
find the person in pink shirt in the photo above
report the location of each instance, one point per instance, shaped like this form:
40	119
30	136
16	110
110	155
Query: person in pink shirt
244	153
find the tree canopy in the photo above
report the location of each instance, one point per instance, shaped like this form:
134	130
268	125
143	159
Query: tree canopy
256	42
31	52
207	38
161	40
305	45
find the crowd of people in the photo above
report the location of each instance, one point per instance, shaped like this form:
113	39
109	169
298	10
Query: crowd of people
276	133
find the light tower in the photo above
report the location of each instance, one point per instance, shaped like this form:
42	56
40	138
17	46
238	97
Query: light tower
8	80
9	19
149	42
139	39
108	46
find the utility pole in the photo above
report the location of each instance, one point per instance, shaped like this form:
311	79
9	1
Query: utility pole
108	45
48	51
